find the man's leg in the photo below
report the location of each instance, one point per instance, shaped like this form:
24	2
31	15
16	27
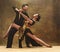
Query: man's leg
20	41
10	37
20	38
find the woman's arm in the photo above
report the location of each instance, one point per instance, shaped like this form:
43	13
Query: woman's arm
26	18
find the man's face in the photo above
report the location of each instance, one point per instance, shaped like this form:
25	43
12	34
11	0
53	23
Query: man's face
25	8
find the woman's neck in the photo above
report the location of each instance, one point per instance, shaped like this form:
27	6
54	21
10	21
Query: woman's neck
34	19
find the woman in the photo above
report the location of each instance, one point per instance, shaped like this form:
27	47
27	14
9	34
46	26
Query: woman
36	17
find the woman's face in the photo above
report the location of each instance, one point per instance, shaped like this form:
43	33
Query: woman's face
35	16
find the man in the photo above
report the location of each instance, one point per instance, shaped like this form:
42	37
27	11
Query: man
18	23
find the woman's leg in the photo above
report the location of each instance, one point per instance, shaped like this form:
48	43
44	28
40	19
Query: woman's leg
38	40
16	26
12	25
27	41
6	34
34	43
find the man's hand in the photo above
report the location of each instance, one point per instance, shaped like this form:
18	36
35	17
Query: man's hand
16	9
20	10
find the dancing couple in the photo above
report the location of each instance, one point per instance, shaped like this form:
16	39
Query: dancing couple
22	18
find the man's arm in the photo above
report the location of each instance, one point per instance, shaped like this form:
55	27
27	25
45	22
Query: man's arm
26	18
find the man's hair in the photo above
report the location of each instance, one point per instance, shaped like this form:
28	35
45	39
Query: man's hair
24	5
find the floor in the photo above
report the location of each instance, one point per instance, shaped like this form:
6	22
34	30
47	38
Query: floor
35	49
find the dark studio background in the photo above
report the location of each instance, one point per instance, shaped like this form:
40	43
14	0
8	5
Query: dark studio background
48	27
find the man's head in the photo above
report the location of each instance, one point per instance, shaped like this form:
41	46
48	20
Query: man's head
25	7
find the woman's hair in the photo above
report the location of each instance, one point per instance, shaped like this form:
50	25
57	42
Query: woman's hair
24	5
38	17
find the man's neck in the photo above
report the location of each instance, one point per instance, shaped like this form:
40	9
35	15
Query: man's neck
24	10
